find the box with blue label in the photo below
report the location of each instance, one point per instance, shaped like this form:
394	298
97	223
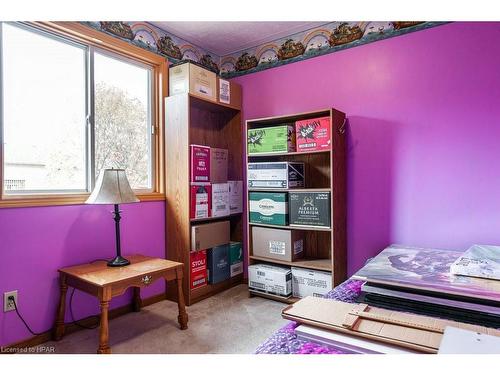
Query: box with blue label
268	208
281	244
277	175
218	264
235	258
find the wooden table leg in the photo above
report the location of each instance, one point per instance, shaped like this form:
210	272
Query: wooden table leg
183	316
136	302
58	331
104	329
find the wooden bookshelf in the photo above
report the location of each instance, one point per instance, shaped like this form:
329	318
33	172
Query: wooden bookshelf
325	170
193	120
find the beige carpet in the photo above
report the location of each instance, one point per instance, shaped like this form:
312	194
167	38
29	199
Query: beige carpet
229	322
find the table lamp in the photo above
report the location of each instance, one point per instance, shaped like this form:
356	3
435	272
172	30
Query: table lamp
112	187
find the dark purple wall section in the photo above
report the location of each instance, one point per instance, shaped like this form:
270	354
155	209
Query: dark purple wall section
423	138
35	242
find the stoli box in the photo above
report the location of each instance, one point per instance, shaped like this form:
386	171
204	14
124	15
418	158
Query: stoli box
200	163
313	134
198	269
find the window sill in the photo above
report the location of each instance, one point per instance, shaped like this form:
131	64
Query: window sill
63	200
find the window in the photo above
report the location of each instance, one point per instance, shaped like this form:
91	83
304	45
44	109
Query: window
74	101
44	112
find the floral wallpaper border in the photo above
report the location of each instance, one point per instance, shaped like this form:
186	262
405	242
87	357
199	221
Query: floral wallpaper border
327	38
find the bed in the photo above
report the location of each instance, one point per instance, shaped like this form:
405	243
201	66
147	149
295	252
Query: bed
285	341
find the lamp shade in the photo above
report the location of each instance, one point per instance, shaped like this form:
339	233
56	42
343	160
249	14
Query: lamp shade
112	187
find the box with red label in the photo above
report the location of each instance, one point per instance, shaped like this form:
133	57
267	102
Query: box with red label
201	200
198	269
200	163
313	134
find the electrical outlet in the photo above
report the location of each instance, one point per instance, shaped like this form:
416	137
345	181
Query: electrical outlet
8	305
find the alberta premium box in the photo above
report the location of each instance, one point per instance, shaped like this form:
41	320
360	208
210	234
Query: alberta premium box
279	175
309	209
235	197
235	258
281	244
193	79
270	279
201	199
198	274
313	134
268	208
200	163
218	264
205	236
218	165
271	139
220	200
306	282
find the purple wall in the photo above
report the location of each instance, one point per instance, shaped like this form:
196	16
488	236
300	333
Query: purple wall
423	140
35	242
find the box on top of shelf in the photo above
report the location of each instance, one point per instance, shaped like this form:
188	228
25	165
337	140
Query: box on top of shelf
200	163
205	236
310	209
268	208
313	134
198	269
235	258
229	93
279	138
281	244
218	165
201	200
190	78
270	279
218	264
278	175
306	282
235	197
220	200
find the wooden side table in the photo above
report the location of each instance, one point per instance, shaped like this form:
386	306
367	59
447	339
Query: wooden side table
106	282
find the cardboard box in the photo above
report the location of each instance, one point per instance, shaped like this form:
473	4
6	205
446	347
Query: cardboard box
271	139
201	200
268	208
193	79
218	264
220	200
235	196
306	282
279	175
229	93
282	244
310	209
270	279
235	258
205	236
218	165
198	269
313	134
200	163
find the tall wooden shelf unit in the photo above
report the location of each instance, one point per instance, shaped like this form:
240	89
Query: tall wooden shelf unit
325	170
194	120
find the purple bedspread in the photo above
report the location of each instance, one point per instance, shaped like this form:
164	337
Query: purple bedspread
285	341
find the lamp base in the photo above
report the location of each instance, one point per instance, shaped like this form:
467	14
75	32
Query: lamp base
118	261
